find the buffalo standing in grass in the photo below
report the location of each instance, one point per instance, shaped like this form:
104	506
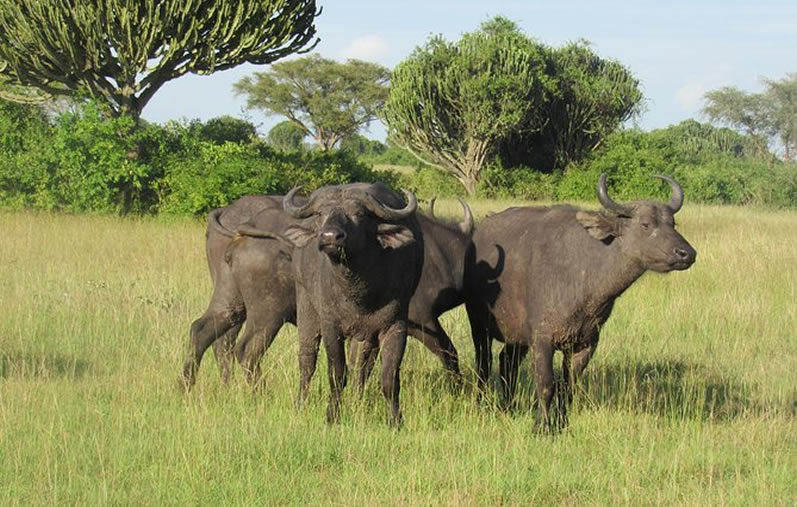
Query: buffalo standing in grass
546	278
356	263
253	282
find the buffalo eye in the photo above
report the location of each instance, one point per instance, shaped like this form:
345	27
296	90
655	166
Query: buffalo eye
645	225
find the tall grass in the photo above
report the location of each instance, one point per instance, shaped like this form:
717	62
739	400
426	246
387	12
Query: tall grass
691	398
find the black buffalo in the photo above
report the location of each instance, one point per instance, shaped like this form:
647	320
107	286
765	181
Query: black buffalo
546	278
253	282
357	262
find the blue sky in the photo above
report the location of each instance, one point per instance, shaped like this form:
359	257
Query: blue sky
677	49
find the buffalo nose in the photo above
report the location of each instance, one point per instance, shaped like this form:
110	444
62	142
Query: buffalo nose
333	237
685	253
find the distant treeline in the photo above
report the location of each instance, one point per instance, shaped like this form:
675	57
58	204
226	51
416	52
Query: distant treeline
81	160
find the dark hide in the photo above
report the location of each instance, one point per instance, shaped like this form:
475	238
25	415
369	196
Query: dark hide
546	278
355	273
257	279
254	285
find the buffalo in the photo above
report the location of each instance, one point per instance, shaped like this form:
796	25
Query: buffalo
357	262
253	282
546	278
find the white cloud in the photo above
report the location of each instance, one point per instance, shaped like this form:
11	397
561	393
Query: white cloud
690	96
370	47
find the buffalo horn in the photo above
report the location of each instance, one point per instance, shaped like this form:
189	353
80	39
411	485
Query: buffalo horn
294	210
466	225
431	206
607	202
677	199
386	212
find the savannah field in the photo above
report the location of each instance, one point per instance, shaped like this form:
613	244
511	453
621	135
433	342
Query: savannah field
691	398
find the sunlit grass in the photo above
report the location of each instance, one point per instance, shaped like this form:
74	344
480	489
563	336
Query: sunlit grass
691	398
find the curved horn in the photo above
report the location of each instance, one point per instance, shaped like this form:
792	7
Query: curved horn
466	225
293	209
607	202
383	211
677	199
431	206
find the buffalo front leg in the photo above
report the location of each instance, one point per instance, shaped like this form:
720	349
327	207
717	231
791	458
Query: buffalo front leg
336	372
543	379
392	343
482	343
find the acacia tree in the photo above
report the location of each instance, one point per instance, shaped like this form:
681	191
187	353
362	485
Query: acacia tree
742	111
328	100
451	104
121	52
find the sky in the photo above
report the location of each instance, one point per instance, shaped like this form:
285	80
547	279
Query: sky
678	49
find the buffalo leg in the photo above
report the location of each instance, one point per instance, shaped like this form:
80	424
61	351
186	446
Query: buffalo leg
309	340
510	359
223	350
336	372
393	342
434	338
482	342
362	357
257	338
573	366
204	331
543	378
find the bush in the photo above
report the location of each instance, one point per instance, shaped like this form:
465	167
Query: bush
517	182
428	182
211	175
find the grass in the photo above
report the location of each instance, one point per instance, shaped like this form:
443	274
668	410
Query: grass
691	398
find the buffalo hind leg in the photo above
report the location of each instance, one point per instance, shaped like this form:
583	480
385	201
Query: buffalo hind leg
573	365
510	358
204	331
255	342
223	350
434	338
362	357
482	343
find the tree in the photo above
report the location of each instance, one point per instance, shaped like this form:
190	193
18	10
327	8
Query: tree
326	99
121	52
593	97
743	111
223	129
781	103
451	104
286	136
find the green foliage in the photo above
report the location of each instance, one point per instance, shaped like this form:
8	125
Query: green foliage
223	129
428	182
122	52
518	182
363	147
213	175
25	166
286	136
329	100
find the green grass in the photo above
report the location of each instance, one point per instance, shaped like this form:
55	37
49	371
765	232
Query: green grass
691	398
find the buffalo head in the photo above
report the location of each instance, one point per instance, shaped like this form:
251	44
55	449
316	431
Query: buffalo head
346	218
645	229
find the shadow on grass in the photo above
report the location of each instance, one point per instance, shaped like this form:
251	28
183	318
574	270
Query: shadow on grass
21	365
670	388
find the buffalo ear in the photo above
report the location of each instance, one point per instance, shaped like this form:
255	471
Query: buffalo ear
393	235
298	235
598	225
